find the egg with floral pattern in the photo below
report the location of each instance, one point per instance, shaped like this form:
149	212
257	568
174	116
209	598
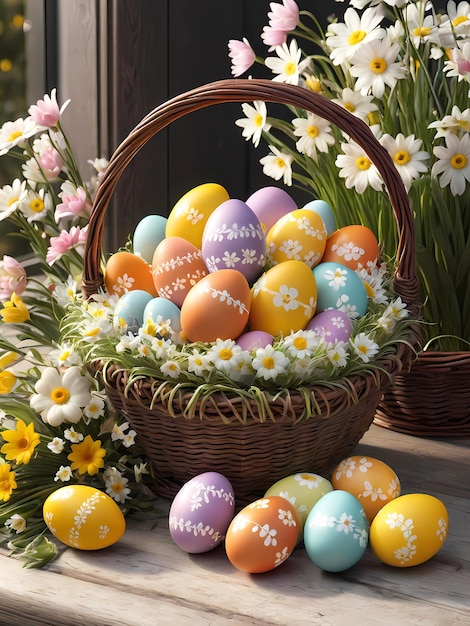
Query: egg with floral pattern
371	481
409	530
340	287
299	235
189	215
325	212
336	532
333	325
269	204
262	535
283	299
354	246
83	517
201	512
177	265
234	239
217	307
125	272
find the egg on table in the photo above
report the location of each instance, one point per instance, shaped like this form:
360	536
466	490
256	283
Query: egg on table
83	517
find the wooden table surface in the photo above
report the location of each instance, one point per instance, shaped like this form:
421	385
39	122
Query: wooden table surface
145	579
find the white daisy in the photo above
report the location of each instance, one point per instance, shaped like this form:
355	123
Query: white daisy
315	134
171	368
15	133
456	122
302	343
287	65
223	354
357	168
375	66
356	103
10	197
337	354
255	121
406	156
278	165
459	16
64	474
453	165
36	205
116	485
269	363
364	347
420	26
346	38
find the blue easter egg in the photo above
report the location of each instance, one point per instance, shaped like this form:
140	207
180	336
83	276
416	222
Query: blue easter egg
339	287
166	309
149	232
130	309
324	210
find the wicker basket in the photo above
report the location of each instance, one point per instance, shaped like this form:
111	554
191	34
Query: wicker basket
432	399
252	448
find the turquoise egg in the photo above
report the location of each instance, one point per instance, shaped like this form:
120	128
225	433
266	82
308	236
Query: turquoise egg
130	309
339	287
149	232
166	309
324	210
336	533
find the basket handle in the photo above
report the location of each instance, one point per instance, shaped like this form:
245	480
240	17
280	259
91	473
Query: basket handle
249	90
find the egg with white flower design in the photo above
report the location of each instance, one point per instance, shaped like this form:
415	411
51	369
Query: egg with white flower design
409	530
125	272
333	325
354	246
371	481
325	212
83	517
201	512
336	532
299	235
283	299
262	535
234	239
340	287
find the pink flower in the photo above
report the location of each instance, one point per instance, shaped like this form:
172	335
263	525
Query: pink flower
273	38
12	278
75	238
242	56
51	162
74	202
283	18
46	112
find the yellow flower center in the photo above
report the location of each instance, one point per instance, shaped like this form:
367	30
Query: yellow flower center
421	31
313	84
280	162
12	201
5	65
362	163
312	131
349	107
460	19
258	120
401	157
36	205
225	354
378	65
92	332
356	37
269	363
22	443
458	161
117	487
369	289
300	343
14	135
290	68
60	395
286	298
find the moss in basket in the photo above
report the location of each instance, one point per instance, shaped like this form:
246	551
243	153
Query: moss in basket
402	67
296	361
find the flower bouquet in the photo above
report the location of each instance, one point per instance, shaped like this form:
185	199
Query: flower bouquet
403	68
57	426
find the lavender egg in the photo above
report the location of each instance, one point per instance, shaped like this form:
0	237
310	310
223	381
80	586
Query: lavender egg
333	325
201	512
269	204
254	339
234	239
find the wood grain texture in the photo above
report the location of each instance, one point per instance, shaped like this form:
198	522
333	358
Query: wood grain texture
146	580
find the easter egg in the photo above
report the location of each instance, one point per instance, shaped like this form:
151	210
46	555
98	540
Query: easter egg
83	517
189	215
233	239
163	310
254	339
130	308
217	307
353	246
299	235
125	272
283	299
409	530
262	535
201	512
370	480
324	210
303	490
269	204
149	232
336	532
177	265
339	287
333	325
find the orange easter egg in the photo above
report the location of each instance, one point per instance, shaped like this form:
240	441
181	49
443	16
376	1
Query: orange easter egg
353	246
125	272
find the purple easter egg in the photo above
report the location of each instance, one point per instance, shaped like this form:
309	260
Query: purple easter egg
332	324
233	238
254	339
270	204
201	512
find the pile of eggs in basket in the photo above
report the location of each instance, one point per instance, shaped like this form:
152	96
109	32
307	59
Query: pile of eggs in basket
335	521
221	268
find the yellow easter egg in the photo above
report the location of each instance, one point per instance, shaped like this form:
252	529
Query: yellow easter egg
190	214
125	272
83	517
409	530
299	235
283	299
